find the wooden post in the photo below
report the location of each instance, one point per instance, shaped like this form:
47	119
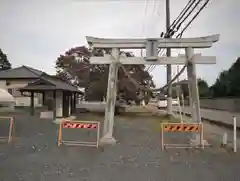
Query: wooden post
64	104
74	103
54	104
43	99
71	102
59	103
32	103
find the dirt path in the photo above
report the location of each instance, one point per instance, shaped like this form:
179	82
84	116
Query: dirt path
136	156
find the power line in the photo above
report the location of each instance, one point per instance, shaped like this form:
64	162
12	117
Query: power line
181	71
154	6
194	17
180	16
153	12
170	32
145	14
151	67
178	19
181	13
175	23
179	36
143	24
195	6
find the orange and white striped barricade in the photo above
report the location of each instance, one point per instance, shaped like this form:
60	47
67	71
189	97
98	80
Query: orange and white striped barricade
9	137
76	124
181	128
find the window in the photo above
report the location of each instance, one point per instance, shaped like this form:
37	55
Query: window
14	92
2	105
10	91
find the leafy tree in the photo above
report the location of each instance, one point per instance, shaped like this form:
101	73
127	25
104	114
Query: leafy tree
183	86
234	78
227	84
221	87
4	63
75	68
203	88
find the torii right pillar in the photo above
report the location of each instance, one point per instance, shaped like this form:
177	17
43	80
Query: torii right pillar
194	101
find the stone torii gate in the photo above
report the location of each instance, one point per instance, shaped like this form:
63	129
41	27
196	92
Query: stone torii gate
151	45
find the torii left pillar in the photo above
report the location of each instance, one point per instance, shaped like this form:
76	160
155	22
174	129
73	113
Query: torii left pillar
111	99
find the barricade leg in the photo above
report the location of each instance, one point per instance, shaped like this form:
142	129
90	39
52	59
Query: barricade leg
98	134
162	137
60	135
201	137
11	127
9	136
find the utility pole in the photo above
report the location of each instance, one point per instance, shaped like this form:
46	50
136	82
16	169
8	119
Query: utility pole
169	67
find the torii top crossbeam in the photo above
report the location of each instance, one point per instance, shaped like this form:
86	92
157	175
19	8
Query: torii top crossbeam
199	42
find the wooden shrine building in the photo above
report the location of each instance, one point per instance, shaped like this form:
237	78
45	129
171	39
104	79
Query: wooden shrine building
34	88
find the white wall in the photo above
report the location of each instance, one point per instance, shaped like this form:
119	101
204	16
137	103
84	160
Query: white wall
26	101
59	104
3	84
20	100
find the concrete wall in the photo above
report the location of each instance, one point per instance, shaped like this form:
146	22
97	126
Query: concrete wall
92	106
227	104
232	105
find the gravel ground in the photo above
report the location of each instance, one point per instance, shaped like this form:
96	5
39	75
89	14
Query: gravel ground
137	156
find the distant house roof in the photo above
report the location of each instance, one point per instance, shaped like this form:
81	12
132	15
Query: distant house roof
42	82
47	82
21	72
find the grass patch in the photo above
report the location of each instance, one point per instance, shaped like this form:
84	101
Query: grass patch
138	115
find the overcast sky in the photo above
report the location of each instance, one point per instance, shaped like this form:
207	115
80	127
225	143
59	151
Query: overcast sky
35	32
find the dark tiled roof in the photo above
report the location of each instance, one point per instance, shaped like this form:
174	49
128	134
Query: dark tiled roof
21	72
35	71
47	82
43	80
61	85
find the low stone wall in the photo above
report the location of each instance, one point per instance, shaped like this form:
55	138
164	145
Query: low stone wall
232	104
92	106
227	104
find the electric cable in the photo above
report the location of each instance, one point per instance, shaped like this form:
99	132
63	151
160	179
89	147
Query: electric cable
179	36
189	4
181	71
171	31
194	17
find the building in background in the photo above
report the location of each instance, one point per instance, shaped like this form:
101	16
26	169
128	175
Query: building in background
13	79
7	101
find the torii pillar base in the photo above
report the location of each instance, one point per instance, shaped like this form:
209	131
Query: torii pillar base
107	140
